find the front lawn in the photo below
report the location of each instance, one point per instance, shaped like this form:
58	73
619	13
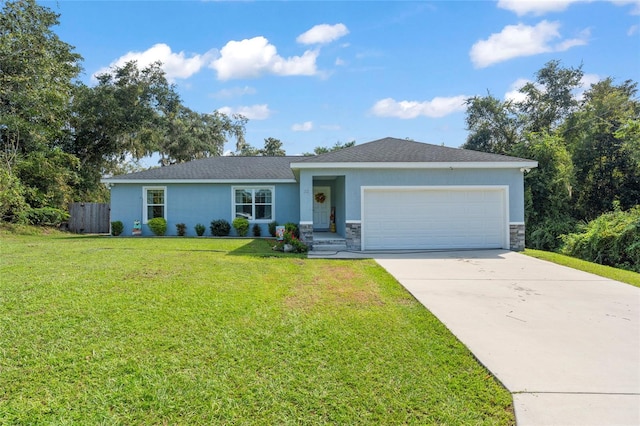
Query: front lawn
107	330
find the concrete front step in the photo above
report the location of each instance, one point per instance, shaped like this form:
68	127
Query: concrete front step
329	247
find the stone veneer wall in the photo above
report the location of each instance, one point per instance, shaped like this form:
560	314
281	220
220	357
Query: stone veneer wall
516	237
306	234
353	233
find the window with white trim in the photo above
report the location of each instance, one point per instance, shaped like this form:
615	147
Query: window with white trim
155	202
255	204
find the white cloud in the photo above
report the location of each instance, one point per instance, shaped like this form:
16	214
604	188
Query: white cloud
514	94
252	112
302	127
585	84
437	107
521	40
251	58
535	7
323	33
632	30
234	92
540	7
340	62
175	65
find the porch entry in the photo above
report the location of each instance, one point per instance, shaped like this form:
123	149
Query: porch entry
321	208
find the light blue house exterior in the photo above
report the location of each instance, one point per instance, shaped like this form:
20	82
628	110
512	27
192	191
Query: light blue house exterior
386	194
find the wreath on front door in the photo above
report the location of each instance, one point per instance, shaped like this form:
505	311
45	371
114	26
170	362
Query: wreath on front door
320	197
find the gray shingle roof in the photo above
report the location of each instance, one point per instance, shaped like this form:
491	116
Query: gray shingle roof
387	150
392	150
220	168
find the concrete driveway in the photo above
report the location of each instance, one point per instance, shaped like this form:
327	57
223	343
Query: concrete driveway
565	343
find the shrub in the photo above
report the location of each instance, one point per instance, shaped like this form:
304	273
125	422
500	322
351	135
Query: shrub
257	231
158	226
272	228
200	228
611	239
181	228
292	228
220	228
43	216
116	228
241	225
289	239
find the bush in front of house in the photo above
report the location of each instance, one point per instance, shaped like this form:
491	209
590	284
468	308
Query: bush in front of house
200	228
241	225
220	228
158	226
257	231
272	228
117	227
292	228
181	228
290	243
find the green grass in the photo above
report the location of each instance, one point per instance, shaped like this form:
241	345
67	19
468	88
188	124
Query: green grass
100	330
628	277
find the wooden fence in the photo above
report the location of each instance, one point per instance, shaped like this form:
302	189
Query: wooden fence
89	218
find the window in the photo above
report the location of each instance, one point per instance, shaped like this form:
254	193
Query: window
155	202
253	203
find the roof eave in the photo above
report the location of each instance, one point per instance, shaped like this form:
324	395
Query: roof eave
419	165
113	181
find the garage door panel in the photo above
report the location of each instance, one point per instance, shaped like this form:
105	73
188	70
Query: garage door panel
433	218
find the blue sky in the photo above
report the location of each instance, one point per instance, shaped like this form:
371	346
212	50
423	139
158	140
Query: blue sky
316	73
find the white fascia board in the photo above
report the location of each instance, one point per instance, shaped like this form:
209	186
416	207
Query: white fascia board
173	181
421	165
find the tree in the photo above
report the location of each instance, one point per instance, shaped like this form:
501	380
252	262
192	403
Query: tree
272	148
133	113
493	125
37	79
548	190
605	147
551	98
323	149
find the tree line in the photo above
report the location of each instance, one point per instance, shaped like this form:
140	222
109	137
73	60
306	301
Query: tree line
587	146
59	136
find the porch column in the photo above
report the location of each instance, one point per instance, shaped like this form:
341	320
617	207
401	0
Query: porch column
306	208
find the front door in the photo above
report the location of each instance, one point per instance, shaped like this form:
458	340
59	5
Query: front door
321	207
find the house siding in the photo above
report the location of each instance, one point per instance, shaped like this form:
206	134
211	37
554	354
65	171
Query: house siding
355	179
197	203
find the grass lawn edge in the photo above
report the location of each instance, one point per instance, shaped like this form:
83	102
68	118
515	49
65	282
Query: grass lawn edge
627	277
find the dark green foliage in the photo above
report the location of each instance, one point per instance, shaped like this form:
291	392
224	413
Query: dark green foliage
612	239
323	149
220	228
292	228
257	231
181	229
291	243
272	228
117	227
43	216
200	228
12	202
158	226
241	225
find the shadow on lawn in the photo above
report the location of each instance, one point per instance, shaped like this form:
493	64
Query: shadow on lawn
262	247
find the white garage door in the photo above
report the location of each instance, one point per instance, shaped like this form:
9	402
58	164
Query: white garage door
434	218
